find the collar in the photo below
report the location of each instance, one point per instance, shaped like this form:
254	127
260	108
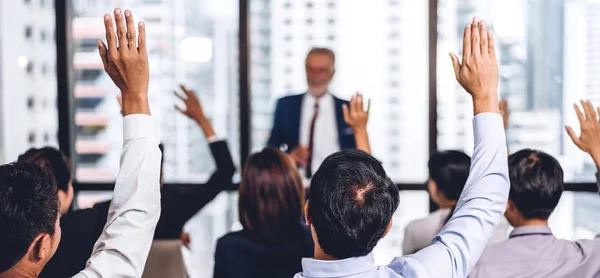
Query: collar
338	268
530	230
326	97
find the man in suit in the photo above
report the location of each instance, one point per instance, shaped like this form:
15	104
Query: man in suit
536	185
311	125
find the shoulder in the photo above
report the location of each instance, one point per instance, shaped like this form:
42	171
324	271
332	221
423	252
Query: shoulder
339	100
290	99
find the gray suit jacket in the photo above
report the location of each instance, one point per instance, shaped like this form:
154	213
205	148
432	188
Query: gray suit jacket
420	233
534	252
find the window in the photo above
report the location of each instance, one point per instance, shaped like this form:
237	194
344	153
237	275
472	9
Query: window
201	56
43	35
31	137
28	31
309	21
356	72
309	5
30	102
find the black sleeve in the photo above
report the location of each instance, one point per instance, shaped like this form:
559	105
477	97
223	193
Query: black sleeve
220	270
180	203
276	137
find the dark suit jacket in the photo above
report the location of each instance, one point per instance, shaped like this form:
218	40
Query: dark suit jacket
286	127
81	229
244	254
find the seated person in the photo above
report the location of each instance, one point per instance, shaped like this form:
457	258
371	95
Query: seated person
448	173
29	210
82	228
536	185
352	200
271	198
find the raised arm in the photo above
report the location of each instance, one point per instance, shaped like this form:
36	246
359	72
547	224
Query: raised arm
123	247
589	138
458	246
356	117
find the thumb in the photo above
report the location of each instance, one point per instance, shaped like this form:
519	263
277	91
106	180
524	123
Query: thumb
572	135
455	64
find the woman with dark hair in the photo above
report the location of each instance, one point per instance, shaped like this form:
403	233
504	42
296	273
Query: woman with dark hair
448	173
273	241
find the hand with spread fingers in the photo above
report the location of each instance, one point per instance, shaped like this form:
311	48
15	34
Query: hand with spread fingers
356	117
589	138
193	110
478	72
127	64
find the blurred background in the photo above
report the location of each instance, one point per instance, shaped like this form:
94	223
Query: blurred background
240	56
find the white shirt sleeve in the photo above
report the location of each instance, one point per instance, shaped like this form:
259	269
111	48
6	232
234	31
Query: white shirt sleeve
458	246
123	247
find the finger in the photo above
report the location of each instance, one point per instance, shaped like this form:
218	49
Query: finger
121	31
590	111
130	30
598	112
185	90
586	111
360	104
345	111
179	109
491	45
503	105
466	43
142	38
483	34
103	53
455	64
180	96
369	107
475	46
111	38
580	116
572	135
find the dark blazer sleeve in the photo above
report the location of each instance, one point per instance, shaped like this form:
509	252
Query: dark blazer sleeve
220	270
277	138
180	203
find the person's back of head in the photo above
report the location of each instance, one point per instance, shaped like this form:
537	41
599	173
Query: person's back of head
29	230
536	184
351	204
59	165
271	196
448	173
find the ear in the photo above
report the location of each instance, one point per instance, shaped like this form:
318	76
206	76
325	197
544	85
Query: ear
306	218
332	73
510	206
389	227
41	248
432	187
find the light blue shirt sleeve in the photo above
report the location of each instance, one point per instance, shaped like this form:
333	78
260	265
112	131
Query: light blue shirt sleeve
458	246
123	247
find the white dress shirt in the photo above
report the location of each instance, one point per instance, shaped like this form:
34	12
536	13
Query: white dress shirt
325	137
458	246
123	247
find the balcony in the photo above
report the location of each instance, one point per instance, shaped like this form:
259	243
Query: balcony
92	147
91	119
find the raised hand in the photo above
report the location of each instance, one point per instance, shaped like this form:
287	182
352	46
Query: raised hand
300	155
127	64
354	114
193	109
503	106
356	117
478	73
589	138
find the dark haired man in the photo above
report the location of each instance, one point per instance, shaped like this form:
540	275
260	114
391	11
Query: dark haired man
352	200
536	184
29	219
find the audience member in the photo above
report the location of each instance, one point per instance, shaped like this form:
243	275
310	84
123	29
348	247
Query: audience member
82	228
448	173
311	125
30	231
536	185
59	165
352	200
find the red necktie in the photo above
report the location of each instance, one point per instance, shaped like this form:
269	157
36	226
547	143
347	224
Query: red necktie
311	141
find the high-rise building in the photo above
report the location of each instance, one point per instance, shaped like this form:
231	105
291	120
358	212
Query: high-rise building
28	113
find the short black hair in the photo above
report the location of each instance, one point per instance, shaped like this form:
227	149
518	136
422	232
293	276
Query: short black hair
449	170
351	203
54	161
536	183
28	208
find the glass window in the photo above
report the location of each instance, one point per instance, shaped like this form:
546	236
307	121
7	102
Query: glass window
189	42
544	69
362	64
22	120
